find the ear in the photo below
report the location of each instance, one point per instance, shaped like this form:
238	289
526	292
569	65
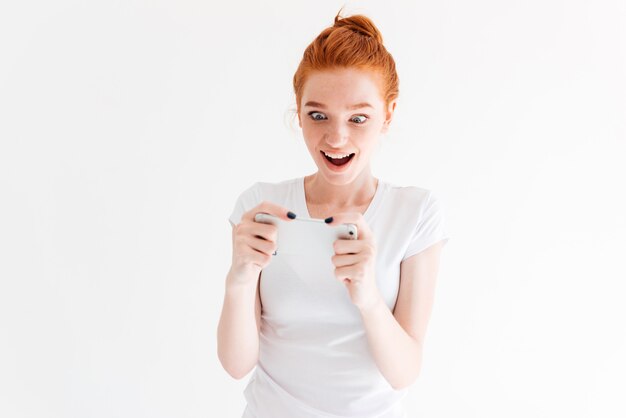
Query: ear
389	115
299	120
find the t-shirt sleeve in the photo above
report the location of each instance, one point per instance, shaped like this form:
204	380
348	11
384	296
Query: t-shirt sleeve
245	201
430	229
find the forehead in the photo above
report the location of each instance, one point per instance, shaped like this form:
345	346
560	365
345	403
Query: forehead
342	87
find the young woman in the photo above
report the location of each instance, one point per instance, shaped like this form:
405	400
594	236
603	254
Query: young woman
348	344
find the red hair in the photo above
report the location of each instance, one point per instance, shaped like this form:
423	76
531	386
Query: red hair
352	42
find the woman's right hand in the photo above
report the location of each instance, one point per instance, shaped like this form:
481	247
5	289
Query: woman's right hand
254	243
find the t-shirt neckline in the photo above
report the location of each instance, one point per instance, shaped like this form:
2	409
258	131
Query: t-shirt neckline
367	215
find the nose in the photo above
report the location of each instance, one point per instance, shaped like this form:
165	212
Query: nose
337	134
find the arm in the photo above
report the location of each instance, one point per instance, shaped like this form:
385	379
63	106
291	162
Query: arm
396	340
238	329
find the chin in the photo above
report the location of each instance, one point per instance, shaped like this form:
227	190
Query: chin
338	179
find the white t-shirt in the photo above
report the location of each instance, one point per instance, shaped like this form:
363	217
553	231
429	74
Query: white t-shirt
314	359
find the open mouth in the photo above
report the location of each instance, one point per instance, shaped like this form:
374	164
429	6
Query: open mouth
338	161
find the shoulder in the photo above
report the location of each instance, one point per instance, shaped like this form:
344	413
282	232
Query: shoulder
412	204
409	196
258	192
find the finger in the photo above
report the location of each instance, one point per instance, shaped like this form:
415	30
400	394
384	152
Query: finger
270	208
263	246
355	218
345	260
344	274
265	231
348	246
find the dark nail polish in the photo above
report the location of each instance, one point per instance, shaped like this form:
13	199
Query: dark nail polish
328	220
291	215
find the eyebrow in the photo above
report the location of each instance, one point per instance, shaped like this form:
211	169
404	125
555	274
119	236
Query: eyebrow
355	106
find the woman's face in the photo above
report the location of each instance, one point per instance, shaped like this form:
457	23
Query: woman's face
342	112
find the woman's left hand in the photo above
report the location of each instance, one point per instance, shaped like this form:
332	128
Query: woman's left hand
355	261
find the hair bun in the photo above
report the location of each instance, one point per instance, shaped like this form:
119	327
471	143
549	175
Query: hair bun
360	24
351	42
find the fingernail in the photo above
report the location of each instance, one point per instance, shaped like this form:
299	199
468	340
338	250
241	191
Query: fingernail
328	220
291	215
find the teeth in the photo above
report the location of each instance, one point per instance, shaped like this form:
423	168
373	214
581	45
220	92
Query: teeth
336	156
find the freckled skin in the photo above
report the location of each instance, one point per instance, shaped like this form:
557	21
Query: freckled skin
336	128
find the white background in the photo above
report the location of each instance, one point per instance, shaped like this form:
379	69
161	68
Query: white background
129	128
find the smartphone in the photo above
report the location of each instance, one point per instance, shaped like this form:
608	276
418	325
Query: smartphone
307	236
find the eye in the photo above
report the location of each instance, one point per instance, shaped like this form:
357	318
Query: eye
317	115
359	119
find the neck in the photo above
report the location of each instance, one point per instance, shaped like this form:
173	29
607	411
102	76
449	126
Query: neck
359	192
